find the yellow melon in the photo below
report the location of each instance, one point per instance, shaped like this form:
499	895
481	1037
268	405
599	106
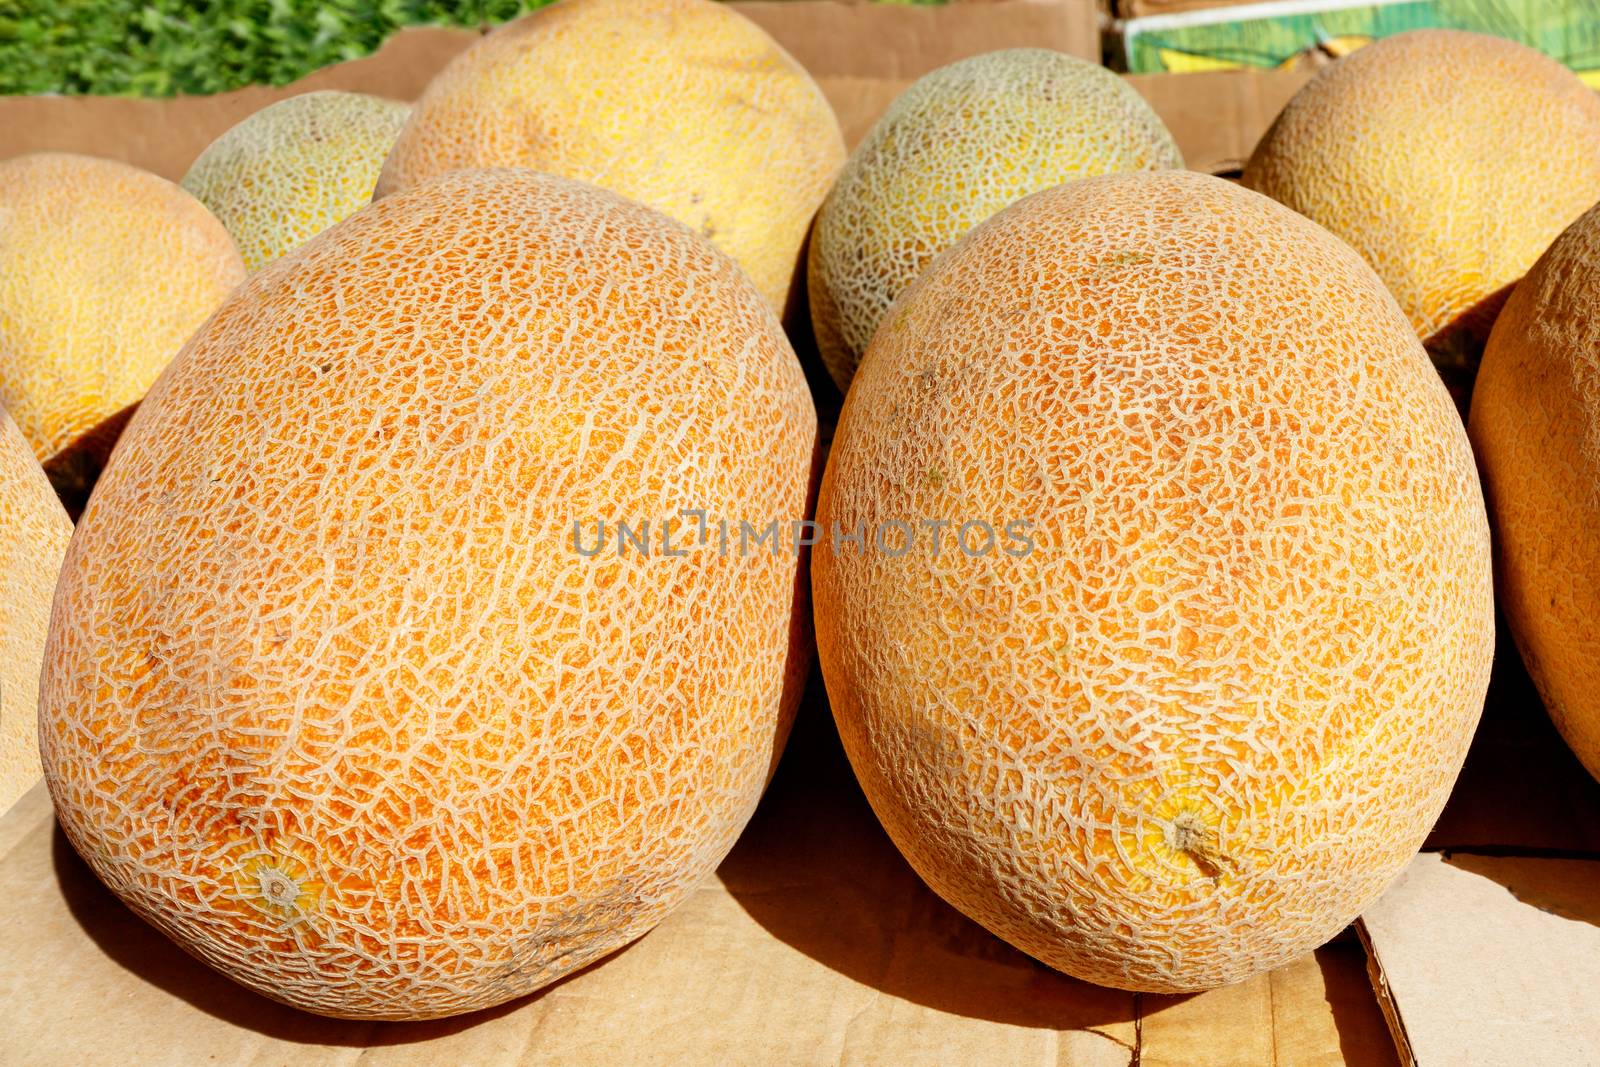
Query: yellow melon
105	270
684	105
339	695
1536	425
959	145
1189	671
291	170
1450	160
33	538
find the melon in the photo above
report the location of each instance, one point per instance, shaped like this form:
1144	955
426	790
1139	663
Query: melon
349	692
684	105
1535	423
1450	160
959	145
33	538
105	271
294	168
1154	592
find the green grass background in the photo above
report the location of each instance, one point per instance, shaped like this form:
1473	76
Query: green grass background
162	47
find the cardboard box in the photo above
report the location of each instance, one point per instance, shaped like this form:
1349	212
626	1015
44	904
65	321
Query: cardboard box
1217	117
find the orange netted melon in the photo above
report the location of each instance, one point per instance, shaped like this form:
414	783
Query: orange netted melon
959	145
33	537
1450	160
1536	426
1187	673
291	170
105	270
340	694
684	105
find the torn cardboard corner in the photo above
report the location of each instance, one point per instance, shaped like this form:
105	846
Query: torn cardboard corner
1491	960
814	944
862	55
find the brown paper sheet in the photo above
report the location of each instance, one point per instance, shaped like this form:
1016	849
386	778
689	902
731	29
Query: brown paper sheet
814	944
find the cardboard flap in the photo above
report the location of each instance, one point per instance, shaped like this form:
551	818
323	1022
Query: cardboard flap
853	38
1492	960
1218	116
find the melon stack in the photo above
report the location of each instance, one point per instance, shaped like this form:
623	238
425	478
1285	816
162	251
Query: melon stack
402	662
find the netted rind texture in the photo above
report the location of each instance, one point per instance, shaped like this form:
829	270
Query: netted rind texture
333	697
1449	160
1216	708
684	105
105	271
1536	427
33	538
291	170
958	145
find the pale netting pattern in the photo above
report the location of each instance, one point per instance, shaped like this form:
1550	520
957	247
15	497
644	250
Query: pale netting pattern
293	169
957	146
1536	424
332	700
1216	709
105	271
33	537
1449	160
684	105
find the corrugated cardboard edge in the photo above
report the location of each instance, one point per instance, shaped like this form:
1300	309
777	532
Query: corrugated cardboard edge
1386	1003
